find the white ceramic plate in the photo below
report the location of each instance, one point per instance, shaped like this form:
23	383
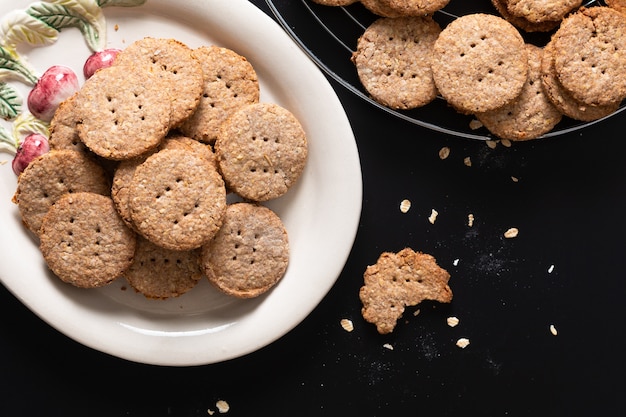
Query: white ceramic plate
321	213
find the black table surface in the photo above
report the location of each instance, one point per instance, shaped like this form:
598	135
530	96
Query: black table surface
567	197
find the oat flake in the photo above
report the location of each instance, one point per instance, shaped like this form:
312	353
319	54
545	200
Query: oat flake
405	205
444	152
475	124
347	325
553	330
433	216
452	321
492	144
222	406
511	233
463	343
506	142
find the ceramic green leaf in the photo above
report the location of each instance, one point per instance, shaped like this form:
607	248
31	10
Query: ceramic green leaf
19	27
7	142
60	17
11	66
10	102
26	123
120	3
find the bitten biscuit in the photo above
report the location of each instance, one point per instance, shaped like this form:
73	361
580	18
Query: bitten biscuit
159	273
84	241
398	280
479	63
52	175
261	151
528	116
393	61
173	61
123	111
590	55
177	199
229	82
249	254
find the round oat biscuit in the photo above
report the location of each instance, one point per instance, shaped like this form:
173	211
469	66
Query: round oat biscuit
531	114
538	11
335	2
380	8
175	63
393	61
590	55
160	273
522	23
479	63
123	112
229	83
562	99
261	151
52	175
249	254
415	7
177	199
63	131
84	241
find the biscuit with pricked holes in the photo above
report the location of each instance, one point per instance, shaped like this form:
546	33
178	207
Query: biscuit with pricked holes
522	23
479	63
531	114
415	7
261	151
177	199
399	280
590	55
123	111
159	273
249	254
50	176
173	61
393	61
229	82
562	99
85	242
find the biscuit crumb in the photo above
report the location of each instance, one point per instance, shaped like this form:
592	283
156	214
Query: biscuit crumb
470	220
475	124
416	312
452	321
405	205
455	262
514	179
433	216
492	144
463	342
210	412
506	143
347	325
388	346
467	161
553	330
444	152
222	406
550	269
511	233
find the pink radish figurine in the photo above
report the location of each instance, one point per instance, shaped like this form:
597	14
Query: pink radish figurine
98	60
30	148
54	86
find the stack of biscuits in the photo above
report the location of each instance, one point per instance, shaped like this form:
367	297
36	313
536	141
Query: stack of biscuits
482	65
142	159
